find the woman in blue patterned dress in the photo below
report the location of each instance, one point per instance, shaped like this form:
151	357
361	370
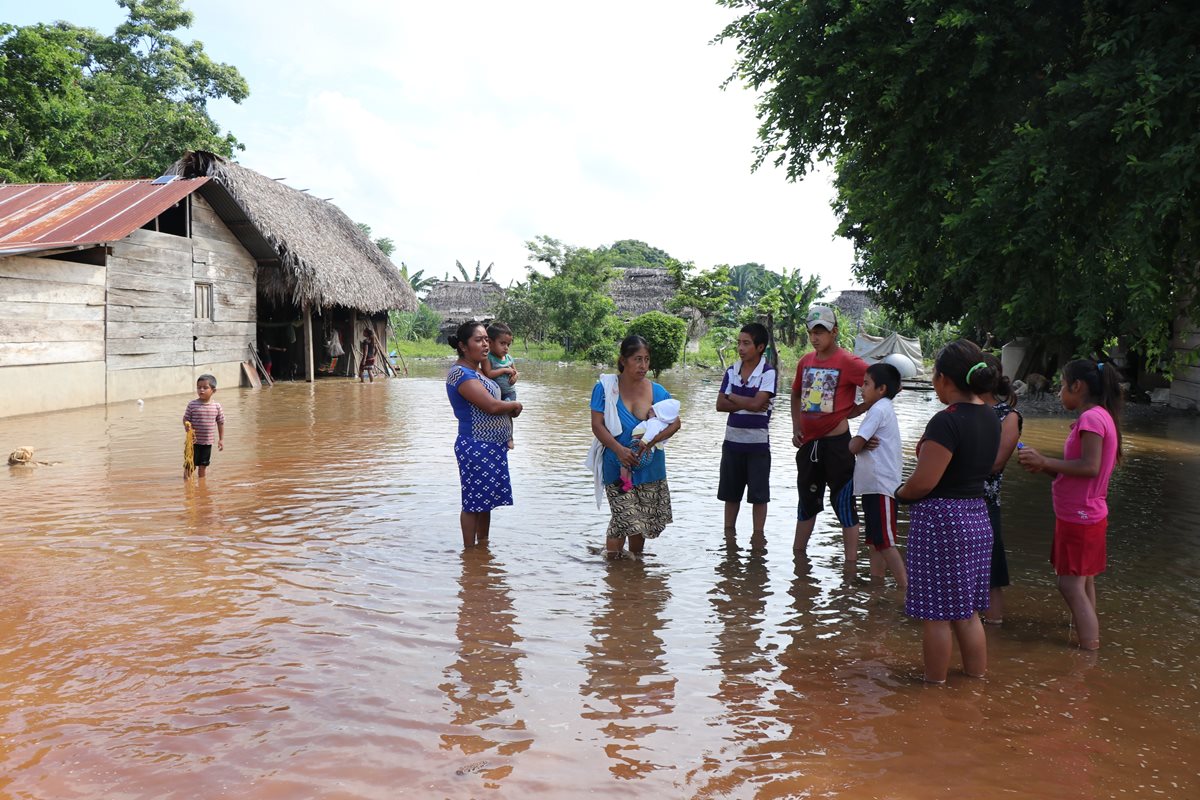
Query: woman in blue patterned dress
484	430
949	534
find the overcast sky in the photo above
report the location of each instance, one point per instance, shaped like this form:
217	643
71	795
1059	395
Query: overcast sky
462	130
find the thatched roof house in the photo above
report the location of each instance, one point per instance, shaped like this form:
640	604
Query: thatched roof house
325	257
854	304
637	291
460	301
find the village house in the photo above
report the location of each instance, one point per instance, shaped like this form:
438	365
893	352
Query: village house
463	301
112	291
329	281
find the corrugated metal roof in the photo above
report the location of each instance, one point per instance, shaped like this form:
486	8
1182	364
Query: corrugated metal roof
49	216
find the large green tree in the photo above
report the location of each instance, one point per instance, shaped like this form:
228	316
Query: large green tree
572	295
78	105
1030	167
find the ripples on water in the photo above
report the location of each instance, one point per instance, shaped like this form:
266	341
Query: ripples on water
306	626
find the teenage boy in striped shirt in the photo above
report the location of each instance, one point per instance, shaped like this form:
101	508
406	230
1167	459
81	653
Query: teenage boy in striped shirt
747	395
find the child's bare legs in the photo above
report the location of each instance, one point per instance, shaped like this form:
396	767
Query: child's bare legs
995	612
850	537
732	507
937	639
804	529
475	527
200	472
888	559
1080	593
612	547
758	539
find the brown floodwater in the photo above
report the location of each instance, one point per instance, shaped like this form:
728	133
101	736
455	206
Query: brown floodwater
306	625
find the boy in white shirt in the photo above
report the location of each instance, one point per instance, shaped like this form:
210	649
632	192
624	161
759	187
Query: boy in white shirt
877	470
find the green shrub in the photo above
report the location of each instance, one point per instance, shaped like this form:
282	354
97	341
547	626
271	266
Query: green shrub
601	353
665	335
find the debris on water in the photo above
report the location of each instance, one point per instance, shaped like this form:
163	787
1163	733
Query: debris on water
472	768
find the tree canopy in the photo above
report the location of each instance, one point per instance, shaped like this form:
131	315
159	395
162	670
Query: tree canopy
78	105
1031	169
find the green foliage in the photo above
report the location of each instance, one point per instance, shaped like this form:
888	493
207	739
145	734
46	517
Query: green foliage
787	302
481	275
601	353
520	310
411	326
632	253
750	282
416	280
572	296
77	105
666	336
709	292
1030	169
385	244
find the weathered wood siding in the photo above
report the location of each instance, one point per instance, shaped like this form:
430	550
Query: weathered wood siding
219	258
51	312
152	280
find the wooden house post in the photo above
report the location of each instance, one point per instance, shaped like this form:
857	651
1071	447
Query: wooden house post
352	350
310	371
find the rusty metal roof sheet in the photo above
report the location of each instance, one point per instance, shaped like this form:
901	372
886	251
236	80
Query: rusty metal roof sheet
48	216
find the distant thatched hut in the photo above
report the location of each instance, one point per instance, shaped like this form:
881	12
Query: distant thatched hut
460	301
637	290
854	304
330	272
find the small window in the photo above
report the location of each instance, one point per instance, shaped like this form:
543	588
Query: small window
204	301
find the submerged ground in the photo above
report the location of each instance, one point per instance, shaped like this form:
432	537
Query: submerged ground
305	625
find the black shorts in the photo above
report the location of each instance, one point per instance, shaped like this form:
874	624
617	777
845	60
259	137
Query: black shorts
999	575
202	454
739	471
821	463
879	520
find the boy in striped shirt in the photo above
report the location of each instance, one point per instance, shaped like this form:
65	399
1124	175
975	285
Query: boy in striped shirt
208	423
747	395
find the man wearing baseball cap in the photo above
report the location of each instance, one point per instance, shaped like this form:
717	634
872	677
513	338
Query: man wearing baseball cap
823	398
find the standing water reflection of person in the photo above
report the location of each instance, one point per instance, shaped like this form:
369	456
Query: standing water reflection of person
484	428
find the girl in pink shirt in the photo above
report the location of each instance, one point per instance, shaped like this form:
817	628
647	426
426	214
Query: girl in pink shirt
1093	449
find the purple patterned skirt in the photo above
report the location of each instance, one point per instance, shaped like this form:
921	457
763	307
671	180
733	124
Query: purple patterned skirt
949	558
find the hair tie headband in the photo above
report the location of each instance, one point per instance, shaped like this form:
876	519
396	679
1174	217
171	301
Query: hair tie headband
971	371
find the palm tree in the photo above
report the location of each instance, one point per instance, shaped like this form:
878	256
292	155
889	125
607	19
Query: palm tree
480	275
416	280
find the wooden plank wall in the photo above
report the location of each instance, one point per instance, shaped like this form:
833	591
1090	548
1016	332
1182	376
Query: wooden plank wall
151	296
219	258
51	312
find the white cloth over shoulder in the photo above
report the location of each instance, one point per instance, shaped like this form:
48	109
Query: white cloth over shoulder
665	413
612	421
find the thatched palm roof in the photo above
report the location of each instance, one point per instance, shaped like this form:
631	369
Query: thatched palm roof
636	290
459	301
326	259
854	303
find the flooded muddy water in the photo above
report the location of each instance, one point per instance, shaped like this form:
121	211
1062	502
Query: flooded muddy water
306	625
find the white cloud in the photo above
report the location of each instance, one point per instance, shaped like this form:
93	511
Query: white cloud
461	130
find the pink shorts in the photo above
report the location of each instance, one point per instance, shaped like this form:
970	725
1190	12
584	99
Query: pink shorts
1079	549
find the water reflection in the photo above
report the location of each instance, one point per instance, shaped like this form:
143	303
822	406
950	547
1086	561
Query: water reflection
628	681
481	683
305	625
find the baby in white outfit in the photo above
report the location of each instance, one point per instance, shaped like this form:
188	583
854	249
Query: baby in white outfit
662	415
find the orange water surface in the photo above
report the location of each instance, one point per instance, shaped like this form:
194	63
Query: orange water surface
305	625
